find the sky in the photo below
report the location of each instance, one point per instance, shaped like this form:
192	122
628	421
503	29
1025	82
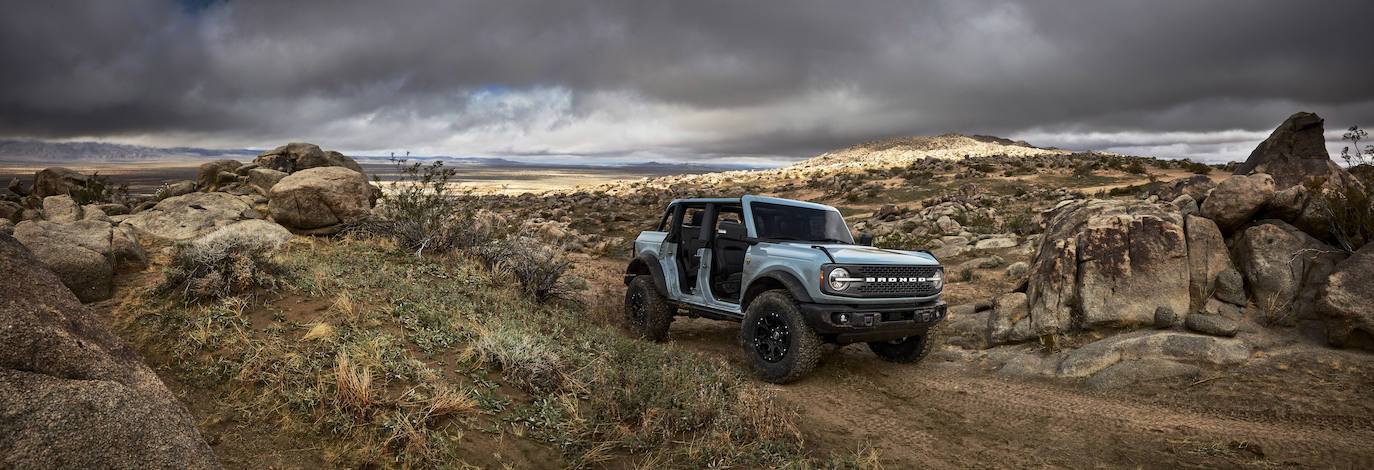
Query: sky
757	82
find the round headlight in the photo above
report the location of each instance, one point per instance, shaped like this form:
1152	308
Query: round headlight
835	276
938	282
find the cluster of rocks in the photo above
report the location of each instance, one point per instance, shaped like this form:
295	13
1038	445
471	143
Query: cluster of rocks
72	394
299	186
1209	257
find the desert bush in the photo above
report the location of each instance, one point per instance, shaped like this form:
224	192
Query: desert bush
1021	224
1350	217
97	189
422	210
1083	171
223	262
528	359
1197	168
540	268
902	241
1135	168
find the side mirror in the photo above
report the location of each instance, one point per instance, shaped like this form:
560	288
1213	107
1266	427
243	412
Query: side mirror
866	239
731	230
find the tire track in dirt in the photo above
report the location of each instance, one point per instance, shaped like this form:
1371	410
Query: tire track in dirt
942	414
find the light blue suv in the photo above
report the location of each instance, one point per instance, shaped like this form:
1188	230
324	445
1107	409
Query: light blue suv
790	272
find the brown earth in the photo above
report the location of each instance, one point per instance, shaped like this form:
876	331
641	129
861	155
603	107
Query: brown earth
1308	408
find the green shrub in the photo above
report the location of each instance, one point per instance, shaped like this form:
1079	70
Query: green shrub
1135	168
1021	224
422	211
1083	171
97	190
1197	168
902	241
1350	217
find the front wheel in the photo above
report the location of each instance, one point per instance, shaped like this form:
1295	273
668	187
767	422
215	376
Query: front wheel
647	314
779	345
906	350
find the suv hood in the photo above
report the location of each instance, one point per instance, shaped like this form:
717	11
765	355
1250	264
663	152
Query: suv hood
858	254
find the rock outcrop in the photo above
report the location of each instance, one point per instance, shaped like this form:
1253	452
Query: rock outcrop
297	156
191	215
1207	258
57	180
1237	199
317	200
215	174
1197	187
1346	302
263	179
83	253
72	394
61	208
1283	268
1296	152
1106	263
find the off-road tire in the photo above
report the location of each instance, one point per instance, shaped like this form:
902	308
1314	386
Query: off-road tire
647	314
802	348
909	350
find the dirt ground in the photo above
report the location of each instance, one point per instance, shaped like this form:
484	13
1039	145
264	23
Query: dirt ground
1310	408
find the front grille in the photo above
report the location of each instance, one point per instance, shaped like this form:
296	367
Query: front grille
895	289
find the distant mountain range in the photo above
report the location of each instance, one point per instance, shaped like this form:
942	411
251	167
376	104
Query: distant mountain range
57	153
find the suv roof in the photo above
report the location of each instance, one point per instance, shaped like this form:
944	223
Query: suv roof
753	198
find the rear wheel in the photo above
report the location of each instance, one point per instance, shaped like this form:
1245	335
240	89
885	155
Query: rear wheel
647	314
906	350
779	345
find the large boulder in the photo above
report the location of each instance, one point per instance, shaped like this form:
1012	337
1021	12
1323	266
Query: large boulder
57	180
297	156
263	179
319	199
1296	152
1346	302
1207	257
191	215
11	210
83	254
1107	263
1008	322
61	208
214	174
72	394
1284	268
1237	199
1196	187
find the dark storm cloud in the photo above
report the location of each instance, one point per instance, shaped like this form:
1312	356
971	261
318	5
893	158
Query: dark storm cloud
684	80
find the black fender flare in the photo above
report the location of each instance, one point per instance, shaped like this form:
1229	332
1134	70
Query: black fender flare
787	279
647	264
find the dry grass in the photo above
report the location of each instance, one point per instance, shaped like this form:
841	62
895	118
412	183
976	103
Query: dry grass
353	385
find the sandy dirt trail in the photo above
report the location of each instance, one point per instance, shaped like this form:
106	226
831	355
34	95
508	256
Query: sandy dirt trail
942	414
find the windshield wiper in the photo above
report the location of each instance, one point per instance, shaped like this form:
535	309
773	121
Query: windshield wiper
836	240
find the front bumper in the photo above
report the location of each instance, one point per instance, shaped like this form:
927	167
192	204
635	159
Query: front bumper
845	324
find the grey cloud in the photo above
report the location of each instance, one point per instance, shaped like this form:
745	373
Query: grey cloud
683	80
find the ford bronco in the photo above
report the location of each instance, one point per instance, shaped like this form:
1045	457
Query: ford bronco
790	273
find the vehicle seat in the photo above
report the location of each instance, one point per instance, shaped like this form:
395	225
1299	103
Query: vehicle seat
729	261
687	250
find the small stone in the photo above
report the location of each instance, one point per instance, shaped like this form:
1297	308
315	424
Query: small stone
1215	325
1165	317
1018	268
1186	205
1230	287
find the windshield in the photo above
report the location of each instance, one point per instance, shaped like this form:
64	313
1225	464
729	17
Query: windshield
781	222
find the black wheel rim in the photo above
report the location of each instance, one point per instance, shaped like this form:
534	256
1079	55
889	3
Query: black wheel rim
771	337
637	306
